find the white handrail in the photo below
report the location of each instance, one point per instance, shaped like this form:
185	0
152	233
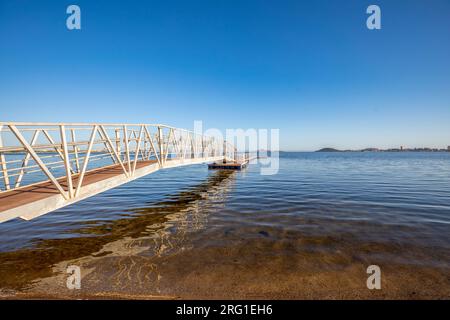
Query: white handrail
126	147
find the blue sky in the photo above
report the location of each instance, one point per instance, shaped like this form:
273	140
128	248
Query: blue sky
311	69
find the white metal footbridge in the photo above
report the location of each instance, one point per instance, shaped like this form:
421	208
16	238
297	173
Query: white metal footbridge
46	166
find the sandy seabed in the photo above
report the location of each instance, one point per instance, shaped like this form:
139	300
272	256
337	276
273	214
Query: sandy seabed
253	269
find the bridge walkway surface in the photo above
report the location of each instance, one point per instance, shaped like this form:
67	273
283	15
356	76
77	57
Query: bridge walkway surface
19	197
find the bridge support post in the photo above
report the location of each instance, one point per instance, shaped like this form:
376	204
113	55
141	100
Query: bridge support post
192	146
118	141
203	147
66	160
75	150
224	151
127	148
3	161
26	159
38	160
161	145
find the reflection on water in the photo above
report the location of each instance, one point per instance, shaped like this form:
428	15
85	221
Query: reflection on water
156	227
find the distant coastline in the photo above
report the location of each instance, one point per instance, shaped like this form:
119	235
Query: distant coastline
401	149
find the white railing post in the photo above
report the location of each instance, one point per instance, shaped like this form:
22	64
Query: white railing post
55	146
119	151
161	145
105	138
136	153
203	146
193	145
113	150
62	130
224	151
127	148
38	160
75	150
26	160
167	145
149	136
86	160
3	161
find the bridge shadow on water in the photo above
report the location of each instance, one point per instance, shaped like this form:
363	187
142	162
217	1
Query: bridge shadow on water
157	228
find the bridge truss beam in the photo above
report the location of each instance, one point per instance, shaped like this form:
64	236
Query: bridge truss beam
43	172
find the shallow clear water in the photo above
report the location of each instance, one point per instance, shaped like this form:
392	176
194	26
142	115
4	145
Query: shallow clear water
382	206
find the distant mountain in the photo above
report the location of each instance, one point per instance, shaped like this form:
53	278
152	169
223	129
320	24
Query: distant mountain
328	150
370	149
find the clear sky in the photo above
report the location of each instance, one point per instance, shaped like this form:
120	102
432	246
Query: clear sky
310	68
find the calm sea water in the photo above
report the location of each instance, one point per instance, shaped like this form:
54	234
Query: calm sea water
396	203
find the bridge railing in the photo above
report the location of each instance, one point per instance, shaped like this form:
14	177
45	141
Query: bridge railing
62	153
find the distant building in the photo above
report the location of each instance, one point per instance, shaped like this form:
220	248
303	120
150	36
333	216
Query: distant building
401	148
448	148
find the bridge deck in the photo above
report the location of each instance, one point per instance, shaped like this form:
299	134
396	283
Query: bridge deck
19	197
43	147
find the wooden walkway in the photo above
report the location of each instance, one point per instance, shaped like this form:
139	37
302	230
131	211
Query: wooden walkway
19	197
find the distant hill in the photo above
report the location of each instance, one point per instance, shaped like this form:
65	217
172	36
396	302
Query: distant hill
370	149
328	150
